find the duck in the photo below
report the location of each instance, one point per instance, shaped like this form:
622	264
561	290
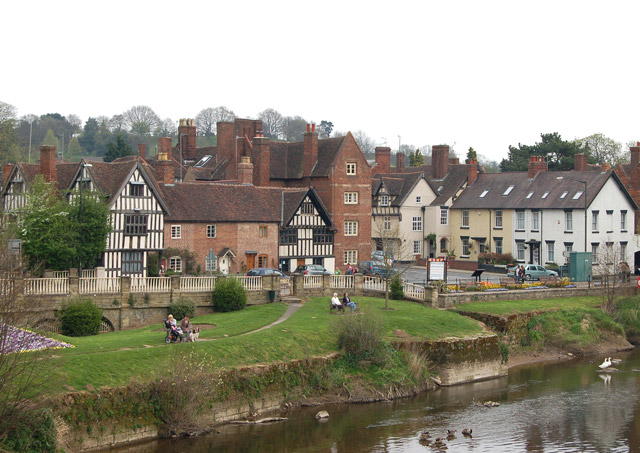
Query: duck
439	440
424	435
606	364
451	432
467	431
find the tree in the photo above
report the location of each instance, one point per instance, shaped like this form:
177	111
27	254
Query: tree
602	149
90	216
558	153
325	128
118	148
74	151
366	143
272	123
610	267
207	119
9	150
87	139
416	158
51	140
167	128
489	166
117	123
7	112
471	154
293	128
141	120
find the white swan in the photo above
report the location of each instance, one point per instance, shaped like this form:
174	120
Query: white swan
606	364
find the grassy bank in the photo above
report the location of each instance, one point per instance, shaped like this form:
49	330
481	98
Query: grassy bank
508	307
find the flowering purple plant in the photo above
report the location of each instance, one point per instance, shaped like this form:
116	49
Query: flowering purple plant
23	340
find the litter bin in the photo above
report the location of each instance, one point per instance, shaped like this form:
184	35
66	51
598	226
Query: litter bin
272	295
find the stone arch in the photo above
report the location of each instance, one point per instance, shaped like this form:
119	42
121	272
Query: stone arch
48	325
106	325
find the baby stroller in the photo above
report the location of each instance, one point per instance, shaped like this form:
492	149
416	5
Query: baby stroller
174	334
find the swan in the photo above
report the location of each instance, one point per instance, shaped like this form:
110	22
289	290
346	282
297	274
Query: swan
606	364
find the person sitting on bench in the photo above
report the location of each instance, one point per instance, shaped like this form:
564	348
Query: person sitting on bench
347	302
335	303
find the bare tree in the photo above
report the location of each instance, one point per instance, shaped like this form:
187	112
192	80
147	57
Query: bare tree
167	128
207	119
7	112
141	120
366	143
272	123
611	268
602	149
117	123
293	128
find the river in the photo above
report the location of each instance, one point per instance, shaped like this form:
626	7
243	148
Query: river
555	407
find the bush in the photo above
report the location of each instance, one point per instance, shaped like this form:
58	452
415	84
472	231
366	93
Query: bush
182	307
397	288
81	318
229	295
360	336
31	430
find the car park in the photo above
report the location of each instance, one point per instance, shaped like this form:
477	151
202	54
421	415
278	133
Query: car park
532	272
311	269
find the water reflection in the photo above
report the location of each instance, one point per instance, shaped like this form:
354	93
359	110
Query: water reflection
553	407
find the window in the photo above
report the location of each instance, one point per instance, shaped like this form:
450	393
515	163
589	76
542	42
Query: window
484	193
508	191
498	218
481	247
175	264
594	250
132	263
545	195
135	224
350	257
263	260
416	224
444	216
386	223
418	199
350	228
520	251
384	200
465	246
564	194
210	264
609	221
351	198
568	220
551	256
577	195
498	244
623	251
535	220
530	195
594	221
417	247
321	235
520	220
136	189
465	218
568	247
443	245
211	231
306	208
263	231
176	231
289	236
351	168
623	220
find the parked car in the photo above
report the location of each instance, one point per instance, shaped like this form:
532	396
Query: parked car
264	271
375	268
379	255
532	272
311	269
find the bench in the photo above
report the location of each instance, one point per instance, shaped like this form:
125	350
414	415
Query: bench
335	307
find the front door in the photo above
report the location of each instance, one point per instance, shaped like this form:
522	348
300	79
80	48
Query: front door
300	262
251	261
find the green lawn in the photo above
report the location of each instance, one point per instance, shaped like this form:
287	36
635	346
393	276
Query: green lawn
117	358
507	307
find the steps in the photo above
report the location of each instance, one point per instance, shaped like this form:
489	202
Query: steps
290	300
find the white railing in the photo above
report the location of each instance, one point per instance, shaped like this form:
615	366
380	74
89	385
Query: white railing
197	284
342	281
250	283
99	285
60	274
413	291
312	281
41	286
88	273
373	283
150	284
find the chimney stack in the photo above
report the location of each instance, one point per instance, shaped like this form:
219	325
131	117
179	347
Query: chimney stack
536	164
261	156
439	161
310	146
142	150
166	172
187	137
383	159
164	148
580	162
245	171
635	156
48	163
473	171
400	162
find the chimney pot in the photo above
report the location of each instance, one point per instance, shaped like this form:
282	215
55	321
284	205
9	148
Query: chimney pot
308	127
313	127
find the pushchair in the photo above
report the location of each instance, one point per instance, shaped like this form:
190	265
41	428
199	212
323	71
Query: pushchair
174	334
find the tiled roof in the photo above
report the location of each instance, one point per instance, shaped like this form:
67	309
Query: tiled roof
292	199
454	180
287	158
398	185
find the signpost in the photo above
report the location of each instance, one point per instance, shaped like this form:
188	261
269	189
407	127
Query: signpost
437	269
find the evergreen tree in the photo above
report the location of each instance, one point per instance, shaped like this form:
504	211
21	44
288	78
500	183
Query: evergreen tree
51	140
118	148
74	151
557	152
416	158
471	154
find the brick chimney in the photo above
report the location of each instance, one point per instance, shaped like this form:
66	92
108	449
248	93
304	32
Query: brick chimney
164	148
635	156
310	149
226	148
261	156
142	150
536	164
439	161
454	161
187	136
48	163
166	172
383	159
6	173
580	162
473	171
245	171
400	162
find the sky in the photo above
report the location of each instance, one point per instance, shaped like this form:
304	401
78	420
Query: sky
486	74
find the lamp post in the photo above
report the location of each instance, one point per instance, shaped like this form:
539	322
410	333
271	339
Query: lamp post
83	166
585	204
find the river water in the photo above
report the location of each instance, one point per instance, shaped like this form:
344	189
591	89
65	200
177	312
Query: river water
552	407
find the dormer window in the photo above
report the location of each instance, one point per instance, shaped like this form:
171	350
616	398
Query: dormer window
508	191
484	193
136	189
384	200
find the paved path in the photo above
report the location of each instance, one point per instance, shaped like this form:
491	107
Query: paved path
291	309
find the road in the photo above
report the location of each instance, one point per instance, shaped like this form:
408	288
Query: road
418	275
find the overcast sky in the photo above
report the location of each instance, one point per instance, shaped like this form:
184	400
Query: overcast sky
486	74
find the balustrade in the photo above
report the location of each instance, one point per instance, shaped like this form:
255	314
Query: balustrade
342	281
150	284
197	284
42	286
99	285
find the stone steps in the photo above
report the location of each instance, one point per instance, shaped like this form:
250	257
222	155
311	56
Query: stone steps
290	300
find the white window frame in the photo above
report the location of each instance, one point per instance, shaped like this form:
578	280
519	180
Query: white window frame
383	200
623	251
350	228
351	198
444	216
568	220
498	221
498	245
535	220
465	218
211	265
520	251
417	247
418	199
350	257
594	221
175	264
520	220
465	246
210	229
176	231
386	223
551	252
416	223
623	220
351	168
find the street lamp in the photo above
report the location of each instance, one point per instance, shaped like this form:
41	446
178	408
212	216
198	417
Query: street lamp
81	181
585	205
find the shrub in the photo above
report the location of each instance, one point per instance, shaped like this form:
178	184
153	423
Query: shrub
31	429
397	288
360	336
229	295
81	318
182	307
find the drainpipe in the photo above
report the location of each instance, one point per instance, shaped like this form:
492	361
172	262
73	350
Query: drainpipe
541	227
490	238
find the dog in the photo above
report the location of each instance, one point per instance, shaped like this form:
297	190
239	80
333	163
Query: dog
194	334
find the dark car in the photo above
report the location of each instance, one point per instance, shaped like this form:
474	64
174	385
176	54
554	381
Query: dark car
264	271
311	269
375	268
